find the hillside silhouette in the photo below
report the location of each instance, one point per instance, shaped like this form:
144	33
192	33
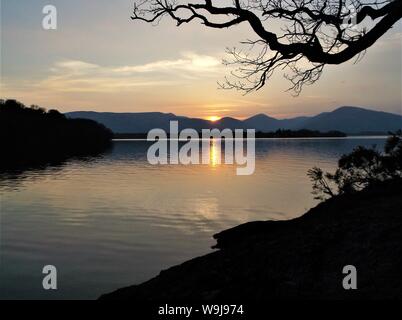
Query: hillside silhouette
32	136
351	120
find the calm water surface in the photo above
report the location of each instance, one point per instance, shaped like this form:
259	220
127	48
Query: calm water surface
116	220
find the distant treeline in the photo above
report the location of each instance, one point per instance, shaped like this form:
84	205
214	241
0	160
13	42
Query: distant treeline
32	135
304	133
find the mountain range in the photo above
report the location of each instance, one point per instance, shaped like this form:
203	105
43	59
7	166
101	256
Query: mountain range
351	120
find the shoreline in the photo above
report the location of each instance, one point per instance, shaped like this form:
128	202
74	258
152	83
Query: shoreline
301	258
283	138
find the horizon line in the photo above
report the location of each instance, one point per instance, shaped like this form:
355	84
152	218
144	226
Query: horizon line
218	118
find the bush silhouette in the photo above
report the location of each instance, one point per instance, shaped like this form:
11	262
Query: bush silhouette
359	169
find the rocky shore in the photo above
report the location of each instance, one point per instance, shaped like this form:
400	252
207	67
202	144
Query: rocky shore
301	258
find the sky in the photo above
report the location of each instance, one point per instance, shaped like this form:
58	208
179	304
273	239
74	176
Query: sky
99	59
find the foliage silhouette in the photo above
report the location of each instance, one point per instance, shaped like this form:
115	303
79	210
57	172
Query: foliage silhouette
361	168
32	136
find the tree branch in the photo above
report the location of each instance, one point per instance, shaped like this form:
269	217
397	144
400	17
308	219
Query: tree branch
320	31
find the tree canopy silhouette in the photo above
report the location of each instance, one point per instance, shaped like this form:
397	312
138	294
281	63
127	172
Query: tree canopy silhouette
32	135
301	36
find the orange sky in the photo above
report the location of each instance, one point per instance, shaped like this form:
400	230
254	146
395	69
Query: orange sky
114	64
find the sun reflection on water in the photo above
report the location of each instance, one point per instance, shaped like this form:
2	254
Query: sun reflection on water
214	153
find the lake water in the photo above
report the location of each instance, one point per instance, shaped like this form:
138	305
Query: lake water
116	220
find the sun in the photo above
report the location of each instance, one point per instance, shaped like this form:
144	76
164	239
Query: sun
213	118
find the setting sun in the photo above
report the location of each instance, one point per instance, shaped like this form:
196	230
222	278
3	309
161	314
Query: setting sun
213	118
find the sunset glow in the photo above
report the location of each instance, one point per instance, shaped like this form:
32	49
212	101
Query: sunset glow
214	118
110	74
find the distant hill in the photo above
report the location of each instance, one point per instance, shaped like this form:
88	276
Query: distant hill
228	122
262	122
352	120
139	122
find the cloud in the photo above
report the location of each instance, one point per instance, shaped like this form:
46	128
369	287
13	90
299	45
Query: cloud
82	76
189	62
74	66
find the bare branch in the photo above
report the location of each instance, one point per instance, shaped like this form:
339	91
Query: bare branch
314	33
